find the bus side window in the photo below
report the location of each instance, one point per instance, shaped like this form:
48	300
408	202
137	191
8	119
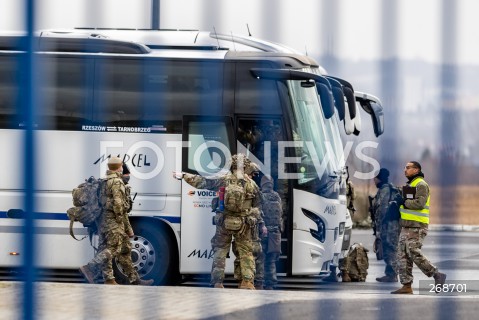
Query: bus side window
119	91
65	92
255	96
9	90
211	140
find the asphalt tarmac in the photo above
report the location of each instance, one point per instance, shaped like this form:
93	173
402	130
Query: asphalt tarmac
455	253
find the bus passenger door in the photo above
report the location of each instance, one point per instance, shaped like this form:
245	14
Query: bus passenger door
258	137
210	147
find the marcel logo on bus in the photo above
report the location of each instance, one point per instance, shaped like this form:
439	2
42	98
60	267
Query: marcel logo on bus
202	254
138	160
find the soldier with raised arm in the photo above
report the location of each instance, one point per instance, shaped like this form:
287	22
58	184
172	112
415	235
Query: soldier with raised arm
237	219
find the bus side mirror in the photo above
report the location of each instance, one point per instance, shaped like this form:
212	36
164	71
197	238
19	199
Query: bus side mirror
349	94
339	101
338	95
327	100
372	105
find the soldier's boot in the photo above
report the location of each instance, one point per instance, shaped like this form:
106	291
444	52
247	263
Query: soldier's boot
345	276
439	279
406	289
268	288
111	281
259	286
140	282
393	278
246	284
219	285
87	273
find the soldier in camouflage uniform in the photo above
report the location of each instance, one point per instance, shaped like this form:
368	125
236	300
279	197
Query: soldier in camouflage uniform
271	241
259	229
414	225
114	230
229	221
387	229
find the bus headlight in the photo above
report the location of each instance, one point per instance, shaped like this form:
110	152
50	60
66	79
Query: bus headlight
319	234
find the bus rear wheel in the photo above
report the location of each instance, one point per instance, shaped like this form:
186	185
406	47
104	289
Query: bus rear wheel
153	254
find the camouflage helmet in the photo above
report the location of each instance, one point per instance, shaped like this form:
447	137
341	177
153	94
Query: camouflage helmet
239	158
252	167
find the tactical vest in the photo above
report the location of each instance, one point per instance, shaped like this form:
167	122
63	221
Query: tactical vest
271	204
416	215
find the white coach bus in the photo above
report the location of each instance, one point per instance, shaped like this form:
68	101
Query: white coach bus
168	101
347	102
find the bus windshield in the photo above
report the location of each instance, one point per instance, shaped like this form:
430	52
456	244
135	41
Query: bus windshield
316	170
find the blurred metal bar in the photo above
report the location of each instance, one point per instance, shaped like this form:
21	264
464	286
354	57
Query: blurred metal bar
329	24
27	106
449	130
271	23
450	122
389	84
155	14
389	88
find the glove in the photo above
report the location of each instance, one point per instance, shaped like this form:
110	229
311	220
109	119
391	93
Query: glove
264	231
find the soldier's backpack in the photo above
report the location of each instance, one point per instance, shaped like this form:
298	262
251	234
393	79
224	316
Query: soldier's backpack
88	199
235	193
356	263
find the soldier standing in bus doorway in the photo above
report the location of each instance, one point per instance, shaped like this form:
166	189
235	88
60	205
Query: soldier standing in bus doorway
241	196
258	231
115	229
387	223
271	240
414	225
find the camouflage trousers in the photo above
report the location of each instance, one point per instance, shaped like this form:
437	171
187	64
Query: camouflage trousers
258	259
265	260
221	243
409	252
271	250
390	238
114	244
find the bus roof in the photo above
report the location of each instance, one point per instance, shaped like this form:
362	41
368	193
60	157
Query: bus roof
186	44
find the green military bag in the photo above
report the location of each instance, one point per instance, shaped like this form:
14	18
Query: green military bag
88	200
235	194
356	263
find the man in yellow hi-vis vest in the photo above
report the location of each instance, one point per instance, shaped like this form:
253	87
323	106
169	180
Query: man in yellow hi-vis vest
414	224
